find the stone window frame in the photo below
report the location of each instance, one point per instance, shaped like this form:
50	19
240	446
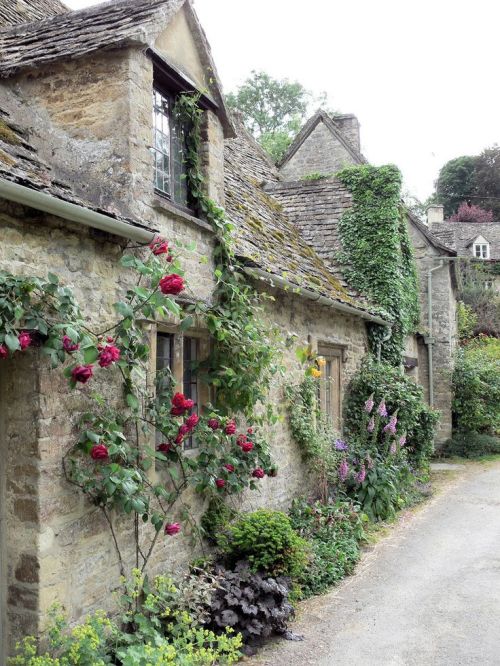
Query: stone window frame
170	82
178	369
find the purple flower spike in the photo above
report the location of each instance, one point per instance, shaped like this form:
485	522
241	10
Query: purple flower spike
391	426
392	450
402	440
369	404
340	445
369	462
371	425
361	475
382	409
343	470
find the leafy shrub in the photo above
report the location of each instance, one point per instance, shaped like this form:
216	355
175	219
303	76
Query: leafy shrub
216	519
384	489
471	445
467	320
162	624
250	603
400	393
476	387
267	540
88	644
334	531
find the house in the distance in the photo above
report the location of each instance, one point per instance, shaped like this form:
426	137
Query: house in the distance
479	241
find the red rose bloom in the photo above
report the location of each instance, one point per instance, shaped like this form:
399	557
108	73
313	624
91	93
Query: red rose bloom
178	400
4	352
82	373
24	340
172	528
158	245
184	429
110	354
247	446
180	404
229	467
171	284
213	424
250	431
99	452
192	421
230	428
179	439
258	473
241	439
220	483
164	447
68	345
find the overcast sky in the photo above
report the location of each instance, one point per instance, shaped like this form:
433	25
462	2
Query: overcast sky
422	77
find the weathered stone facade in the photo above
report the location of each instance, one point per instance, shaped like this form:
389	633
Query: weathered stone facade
79	130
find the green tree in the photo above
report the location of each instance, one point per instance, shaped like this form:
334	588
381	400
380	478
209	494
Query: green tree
487	180
456	183
273	110
472	178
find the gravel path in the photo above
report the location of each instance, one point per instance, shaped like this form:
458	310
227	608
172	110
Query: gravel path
429	594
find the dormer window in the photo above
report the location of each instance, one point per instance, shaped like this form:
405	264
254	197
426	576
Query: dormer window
481	248
169	148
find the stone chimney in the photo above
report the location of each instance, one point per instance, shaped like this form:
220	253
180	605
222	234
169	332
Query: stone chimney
435	213
349	126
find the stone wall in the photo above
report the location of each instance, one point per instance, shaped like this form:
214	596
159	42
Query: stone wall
321	153
444	327
61	548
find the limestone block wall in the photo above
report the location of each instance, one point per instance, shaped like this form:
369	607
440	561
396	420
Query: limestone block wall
444	328
59	545
321	153
91	120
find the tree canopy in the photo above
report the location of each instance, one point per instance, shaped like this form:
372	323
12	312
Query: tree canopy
471	178
273	110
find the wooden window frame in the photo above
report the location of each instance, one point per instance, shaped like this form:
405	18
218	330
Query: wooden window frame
335	353
178	371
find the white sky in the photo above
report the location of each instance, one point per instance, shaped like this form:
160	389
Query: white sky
422	76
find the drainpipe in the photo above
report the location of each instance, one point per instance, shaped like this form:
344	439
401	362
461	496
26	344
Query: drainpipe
429	340
73	212
384	339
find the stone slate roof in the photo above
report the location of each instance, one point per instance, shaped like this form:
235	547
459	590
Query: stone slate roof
315	207
75	34
265	236
21	164
440	243
23	11
460	235
308	128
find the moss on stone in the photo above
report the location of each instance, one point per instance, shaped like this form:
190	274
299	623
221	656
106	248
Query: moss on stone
8	135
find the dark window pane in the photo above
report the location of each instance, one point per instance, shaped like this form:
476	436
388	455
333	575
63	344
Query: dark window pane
164	361
190	382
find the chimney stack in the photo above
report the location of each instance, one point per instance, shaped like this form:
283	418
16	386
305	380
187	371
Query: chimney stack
435	213
349	126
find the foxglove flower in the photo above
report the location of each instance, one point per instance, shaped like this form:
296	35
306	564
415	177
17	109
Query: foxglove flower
369	404
343	470
371	425
382	409
391	426
361	475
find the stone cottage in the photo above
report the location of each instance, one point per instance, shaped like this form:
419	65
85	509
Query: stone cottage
314	200
91	159
477	241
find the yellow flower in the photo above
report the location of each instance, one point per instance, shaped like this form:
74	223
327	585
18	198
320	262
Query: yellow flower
321	361
315	373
